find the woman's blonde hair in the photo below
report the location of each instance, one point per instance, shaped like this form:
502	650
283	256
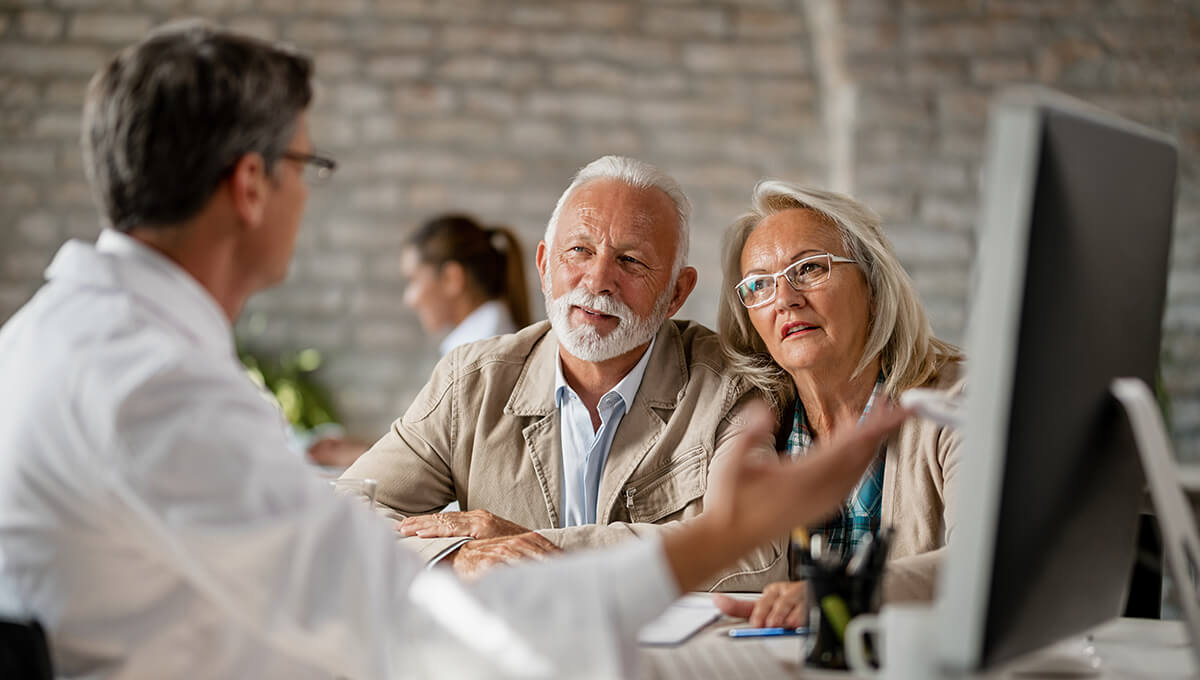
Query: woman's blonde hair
900	334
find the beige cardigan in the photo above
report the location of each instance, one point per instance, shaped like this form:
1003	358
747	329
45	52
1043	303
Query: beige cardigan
918	498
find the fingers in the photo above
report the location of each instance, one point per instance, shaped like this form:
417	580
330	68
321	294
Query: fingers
438	524
788	610
470	565
759	419
472	523
733	607
477	556
532	546
824	477
730	471
882	420
759	422
762	606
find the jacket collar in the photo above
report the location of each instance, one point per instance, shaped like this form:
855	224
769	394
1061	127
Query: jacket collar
533	395
663	383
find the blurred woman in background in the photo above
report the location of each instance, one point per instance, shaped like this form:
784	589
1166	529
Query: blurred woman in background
466	282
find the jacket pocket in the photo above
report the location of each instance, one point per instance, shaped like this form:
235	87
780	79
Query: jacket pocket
669	489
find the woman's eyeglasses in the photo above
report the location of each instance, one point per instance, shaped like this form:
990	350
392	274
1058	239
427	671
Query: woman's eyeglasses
803	274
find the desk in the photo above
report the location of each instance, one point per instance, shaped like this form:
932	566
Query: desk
1130	648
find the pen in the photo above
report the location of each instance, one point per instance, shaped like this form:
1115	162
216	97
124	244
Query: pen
863	556
815	545
883	543
800	536
765	632
800	540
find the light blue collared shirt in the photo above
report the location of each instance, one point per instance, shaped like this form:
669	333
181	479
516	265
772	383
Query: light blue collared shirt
586	450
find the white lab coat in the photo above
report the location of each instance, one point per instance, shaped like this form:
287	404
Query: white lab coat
153	520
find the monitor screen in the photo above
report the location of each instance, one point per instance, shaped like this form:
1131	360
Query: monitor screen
1072	271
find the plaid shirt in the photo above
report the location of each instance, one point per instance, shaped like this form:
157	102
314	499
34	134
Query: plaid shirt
863	509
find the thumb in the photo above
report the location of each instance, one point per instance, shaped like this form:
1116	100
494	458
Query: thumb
758	421
733	607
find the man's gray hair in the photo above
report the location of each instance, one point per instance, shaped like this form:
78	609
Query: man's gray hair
638	174
168	118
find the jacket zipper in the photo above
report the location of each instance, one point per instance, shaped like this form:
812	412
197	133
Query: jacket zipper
629	497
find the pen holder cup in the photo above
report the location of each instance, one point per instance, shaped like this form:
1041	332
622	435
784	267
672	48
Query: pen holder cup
834	598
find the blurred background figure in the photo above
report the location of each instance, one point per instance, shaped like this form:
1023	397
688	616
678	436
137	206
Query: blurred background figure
465	282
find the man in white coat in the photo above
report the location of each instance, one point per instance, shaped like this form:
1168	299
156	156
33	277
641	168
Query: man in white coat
151	516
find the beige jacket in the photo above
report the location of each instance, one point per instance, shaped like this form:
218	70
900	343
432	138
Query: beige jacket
919	498
485	432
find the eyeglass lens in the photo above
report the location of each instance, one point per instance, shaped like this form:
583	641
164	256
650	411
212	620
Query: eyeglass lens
800	275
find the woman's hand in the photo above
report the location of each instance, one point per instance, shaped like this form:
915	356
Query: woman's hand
782	604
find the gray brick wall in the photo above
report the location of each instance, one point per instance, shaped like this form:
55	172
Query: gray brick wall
926	69
488	106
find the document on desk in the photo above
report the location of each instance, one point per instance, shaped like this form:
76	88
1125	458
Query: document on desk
682	619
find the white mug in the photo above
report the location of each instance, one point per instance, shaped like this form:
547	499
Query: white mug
903	642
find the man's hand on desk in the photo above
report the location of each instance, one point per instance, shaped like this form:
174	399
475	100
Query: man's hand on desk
781	605
474	557
473	523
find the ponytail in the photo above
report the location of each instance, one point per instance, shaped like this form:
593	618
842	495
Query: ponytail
516	295
491	258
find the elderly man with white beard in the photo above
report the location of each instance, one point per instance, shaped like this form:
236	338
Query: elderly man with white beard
601	425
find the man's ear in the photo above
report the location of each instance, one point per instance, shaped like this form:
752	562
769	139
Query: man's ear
248	189
541	265
684	285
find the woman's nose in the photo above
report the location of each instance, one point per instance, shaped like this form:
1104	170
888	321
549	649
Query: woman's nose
787	297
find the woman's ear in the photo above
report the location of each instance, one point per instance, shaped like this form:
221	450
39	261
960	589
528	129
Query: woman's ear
453	279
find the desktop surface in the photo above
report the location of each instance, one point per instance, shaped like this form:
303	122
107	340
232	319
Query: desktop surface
1130	648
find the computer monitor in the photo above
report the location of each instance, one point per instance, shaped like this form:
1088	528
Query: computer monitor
1071	280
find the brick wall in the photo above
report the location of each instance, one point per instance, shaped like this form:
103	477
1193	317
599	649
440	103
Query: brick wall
925	69
489	106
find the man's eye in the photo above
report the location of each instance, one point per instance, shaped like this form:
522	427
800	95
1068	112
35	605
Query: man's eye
629	260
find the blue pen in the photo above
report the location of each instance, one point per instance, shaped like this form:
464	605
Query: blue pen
765	632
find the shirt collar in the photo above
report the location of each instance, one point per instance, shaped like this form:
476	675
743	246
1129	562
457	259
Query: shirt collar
801	437
122	262
626	389
490	318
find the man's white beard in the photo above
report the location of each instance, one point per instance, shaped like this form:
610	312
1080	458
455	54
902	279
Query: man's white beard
585	342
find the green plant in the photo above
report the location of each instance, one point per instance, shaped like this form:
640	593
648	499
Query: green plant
289	376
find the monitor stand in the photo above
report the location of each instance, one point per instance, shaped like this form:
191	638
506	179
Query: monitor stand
1074	657
1180	539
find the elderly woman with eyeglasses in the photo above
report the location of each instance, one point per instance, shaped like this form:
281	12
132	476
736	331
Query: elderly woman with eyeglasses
817	313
